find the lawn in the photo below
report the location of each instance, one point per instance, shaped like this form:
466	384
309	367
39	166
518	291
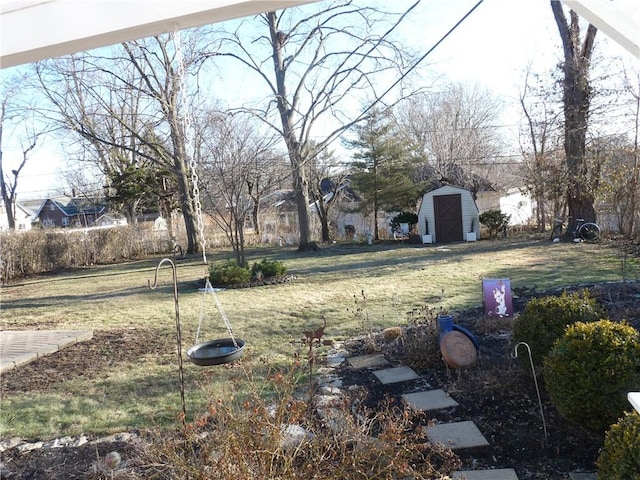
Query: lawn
126	377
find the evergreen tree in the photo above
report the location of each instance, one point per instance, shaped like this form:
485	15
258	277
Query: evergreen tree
381	170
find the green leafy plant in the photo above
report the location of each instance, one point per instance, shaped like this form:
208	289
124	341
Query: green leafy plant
545	319
228	274
403	217
268	268
590	370
495	221
620	456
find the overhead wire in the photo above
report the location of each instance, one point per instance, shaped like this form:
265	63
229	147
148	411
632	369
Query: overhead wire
421	59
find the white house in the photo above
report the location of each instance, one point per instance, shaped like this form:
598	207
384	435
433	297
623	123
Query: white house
448	214
24	217
518	203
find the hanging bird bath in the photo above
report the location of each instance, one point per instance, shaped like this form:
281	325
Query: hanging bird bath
216	352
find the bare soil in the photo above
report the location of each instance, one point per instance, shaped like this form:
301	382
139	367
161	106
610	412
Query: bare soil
495	393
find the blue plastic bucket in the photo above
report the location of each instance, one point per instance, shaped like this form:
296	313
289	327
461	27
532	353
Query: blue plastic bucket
445	322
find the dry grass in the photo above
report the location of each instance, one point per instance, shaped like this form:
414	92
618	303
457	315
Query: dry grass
395	279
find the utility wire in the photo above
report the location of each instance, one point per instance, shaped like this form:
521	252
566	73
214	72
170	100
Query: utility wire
412	67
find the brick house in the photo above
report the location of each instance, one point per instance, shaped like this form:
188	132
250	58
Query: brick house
64	212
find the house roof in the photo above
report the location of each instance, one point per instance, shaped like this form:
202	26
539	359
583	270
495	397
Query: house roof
28	212
72	206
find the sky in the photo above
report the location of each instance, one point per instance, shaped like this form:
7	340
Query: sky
493	47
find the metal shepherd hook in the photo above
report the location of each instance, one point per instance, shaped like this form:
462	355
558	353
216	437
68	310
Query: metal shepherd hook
535	380
178	331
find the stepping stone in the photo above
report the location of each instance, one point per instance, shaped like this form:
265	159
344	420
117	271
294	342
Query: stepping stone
395	375
334	360
457	435
368	361
429	400
582	476
497	474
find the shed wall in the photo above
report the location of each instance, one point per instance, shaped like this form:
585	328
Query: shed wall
426	212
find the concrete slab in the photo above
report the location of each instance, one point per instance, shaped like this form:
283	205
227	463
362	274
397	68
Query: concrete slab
395	375
582	476
18	347
497	474
457	435
368	361
429	400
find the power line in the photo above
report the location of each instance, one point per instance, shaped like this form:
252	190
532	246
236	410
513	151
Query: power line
412	67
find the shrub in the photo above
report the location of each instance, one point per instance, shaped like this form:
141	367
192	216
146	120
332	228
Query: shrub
590	370
422	339
545	319
403	217
495	221
268	268
228	274
280	437
620	456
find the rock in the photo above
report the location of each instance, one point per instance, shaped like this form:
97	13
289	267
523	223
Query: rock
10	443
293	436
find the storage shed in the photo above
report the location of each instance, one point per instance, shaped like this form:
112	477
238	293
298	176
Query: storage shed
448	214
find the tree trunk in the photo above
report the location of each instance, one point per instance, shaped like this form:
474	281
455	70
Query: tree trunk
300	183
186	199
191	227
6	198
255	216
324	226
301	189
576	100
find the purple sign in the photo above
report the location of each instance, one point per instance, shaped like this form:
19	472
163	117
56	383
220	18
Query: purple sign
496	293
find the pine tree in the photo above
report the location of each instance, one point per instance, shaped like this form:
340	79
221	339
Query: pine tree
381	169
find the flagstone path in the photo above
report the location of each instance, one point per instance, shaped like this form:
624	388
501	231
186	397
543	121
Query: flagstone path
456	435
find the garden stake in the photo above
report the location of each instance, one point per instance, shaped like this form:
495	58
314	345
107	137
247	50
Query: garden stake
535	380
178	331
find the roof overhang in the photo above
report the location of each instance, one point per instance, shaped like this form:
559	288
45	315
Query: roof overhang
33	30
619	19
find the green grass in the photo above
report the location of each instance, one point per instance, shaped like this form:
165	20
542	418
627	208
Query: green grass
330	283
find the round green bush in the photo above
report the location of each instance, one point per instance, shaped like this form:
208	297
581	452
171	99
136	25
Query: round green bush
545	319
268	268
590	370
620	456
228	274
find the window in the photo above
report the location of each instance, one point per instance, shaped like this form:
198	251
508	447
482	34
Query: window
65	221
52	207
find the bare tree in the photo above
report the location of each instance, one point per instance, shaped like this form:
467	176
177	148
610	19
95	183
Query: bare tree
129	107
577	94
632	81
232	154
540	145
452	134
322	61
327	184
9	112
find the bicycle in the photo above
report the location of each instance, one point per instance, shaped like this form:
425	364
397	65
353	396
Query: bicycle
584	231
